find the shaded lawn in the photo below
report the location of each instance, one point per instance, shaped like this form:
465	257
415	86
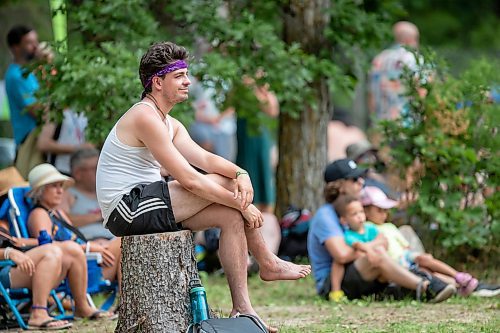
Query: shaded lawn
294	307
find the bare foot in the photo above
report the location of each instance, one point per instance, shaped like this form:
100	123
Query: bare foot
92	313
278	269
270	329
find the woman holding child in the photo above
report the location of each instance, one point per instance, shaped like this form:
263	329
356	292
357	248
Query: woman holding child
367	267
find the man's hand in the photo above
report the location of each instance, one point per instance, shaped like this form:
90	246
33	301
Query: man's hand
253	217
243	190
25	264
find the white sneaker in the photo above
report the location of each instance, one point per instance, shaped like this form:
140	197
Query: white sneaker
486	291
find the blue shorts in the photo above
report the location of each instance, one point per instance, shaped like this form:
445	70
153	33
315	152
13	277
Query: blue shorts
5	276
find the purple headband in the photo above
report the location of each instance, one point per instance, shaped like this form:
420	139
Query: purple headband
179	64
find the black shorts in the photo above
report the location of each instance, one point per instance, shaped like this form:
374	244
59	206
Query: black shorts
353	285
145	210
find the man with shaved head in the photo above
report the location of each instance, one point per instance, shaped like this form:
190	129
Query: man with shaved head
386	91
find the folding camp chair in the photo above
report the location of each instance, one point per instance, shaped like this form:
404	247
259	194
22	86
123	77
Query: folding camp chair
15	299
16	210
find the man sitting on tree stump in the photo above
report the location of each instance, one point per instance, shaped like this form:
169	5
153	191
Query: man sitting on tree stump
146	144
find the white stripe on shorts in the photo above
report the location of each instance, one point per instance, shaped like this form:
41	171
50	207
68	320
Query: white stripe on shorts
145	206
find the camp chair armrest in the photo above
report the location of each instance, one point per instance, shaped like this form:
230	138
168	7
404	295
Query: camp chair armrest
94	256
4	263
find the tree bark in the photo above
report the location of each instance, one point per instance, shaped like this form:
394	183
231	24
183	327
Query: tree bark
156	270
303	140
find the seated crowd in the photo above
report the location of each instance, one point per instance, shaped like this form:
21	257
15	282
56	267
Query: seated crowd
354	250
65	258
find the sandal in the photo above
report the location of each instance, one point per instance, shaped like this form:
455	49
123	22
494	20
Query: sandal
45	326
99	315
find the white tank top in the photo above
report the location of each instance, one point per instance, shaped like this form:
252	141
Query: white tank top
122	167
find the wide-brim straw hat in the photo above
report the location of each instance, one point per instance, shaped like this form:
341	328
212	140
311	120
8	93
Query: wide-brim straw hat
10	177
45	174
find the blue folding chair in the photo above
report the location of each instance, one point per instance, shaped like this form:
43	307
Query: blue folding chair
15	299
16	210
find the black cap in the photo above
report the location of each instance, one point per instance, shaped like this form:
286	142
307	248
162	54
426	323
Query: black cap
342	169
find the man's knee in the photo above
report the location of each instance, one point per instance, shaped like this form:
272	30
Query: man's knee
234	221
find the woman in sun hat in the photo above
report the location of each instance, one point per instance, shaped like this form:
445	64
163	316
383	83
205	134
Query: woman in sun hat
47	188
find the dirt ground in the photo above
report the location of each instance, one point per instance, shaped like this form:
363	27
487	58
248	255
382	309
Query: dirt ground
357	316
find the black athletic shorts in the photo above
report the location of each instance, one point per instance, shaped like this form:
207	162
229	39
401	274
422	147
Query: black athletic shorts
145	210
353	285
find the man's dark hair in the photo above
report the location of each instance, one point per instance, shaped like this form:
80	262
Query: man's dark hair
342	202
16	34
156	58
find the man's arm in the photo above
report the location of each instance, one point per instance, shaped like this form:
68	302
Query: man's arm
154	135
201	158
340	251
47	144
268	101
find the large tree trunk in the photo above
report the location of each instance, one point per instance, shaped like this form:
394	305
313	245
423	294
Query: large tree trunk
303	141
156	270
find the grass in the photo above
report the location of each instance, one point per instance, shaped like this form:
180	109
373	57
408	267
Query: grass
294	308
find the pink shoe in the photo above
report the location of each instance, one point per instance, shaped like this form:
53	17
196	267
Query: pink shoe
463	279
469	288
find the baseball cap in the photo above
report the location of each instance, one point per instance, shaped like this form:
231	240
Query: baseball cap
342	169
372	195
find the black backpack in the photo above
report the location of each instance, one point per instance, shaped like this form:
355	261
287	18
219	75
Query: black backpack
244	323
294	229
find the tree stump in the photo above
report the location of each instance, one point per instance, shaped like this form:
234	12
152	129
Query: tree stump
156	270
